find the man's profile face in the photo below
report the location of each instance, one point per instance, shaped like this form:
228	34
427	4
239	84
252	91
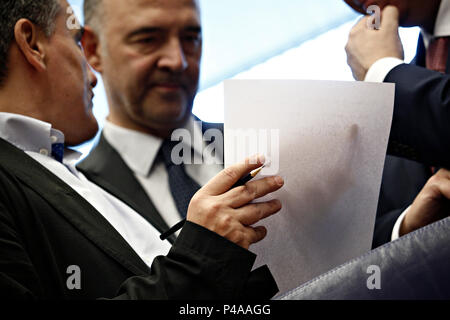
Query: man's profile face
71	82
150	60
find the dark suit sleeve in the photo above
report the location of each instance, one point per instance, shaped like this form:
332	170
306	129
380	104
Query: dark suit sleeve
202	265
421	126
18	279
420	132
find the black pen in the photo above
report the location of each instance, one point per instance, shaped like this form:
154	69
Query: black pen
180	224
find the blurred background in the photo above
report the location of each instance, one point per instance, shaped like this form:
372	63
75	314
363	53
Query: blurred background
265	39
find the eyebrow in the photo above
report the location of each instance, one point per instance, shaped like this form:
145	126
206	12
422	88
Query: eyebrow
149	30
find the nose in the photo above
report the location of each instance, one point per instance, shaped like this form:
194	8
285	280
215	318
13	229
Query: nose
92	78
173	57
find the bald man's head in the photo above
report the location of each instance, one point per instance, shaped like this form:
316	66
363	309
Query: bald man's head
148	53
95	11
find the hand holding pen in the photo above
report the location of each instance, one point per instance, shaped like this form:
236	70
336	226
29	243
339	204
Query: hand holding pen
224	204
240	182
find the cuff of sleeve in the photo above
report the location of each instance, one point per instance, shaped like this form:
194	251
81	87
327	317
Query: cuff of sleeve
225	264
207	242
380	69
396	230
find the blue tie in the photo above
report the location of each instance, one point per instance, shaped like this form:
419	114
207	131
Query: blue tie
58	151
181	185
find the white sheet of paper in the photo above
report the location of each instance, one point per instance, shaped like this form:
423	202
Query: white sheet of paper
331	138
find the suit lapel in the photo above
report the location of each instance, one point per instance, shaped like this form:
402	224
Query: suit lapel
106	168
72	206
420	58
209	125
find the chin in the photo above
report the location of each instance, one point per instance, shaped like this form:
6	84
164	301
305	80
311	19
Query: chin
85	132
174	116
167	113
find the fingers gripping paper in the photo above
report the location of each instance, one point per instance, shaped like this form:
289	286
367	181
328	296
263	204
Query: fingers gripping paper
328	141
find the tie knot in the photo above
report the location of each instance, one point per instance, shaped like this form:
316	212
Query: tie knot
167	150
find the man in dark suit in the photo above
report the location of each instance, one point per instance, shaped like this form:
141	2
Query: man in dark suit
62	236
420	123
148	53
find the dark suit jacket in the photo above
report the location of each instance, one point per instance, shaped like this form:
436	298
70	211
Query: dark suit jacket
420	132
45	227
105	167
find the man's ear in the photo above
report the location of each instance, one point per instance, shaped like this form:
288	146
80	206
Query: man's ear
31	42
91	47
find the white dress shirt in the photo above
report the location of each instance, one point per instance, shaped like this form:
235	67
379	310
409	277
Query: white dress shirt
381	68
139	151
36	137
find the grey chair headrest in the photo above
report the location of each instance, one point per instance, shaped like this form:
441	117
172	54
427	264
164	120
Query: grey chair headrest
416	266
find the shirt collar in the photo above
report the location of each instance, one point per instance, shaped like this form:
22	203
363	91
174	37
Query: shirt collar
442	25
139	150
29	134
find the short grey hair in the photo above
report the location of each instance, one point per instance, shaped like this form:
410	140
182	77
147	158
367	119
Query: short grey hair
40	12
93	12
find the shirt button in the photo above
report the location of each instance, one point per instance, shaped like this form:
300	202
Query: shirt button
53	139
44	152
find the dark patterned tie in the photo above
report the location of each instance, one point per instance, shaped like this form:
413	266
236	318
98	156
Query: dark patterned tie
181	185
436	59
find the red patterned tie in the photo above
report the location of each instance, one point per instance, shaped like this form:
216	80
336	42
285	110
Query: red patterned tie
437	54
436	59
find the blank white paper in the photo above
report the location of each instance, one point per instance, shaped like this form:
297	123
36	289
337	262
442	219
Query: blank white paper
328	140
